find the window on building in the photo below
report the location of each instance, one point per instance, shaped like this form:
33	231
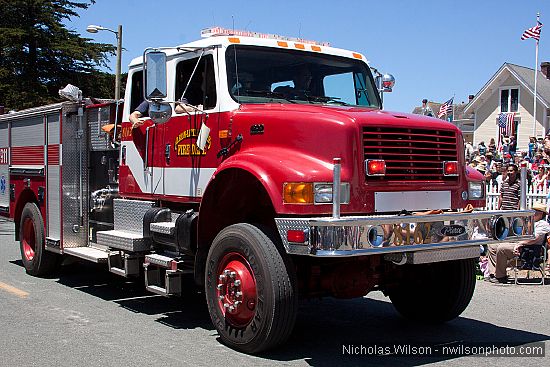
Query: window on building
509	100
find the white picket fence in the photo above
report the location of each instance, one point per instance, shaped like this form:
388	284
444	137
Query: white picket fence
533	196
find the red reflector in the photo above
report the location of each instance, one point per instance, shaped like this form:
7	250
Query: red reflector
296	236
376	167
174	265
450	168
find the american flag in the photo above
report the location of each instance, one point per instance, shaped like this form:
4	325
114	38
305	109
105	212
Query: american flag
505	126
532	32
446	108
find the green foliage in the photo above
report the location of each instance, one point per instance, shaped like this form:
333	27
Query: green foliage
39	55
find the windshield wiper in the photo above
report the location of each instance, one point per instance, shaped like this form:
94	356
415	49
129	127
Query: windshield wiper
326	99
265	93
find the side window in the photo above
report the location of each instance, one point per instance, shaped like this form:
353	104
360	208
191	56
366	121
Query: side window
136	96
202	87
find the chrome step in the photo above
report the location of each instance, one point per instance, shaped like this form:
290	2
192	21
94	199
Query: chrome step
126	265
162	274
87	253
122	240
161	260
166	228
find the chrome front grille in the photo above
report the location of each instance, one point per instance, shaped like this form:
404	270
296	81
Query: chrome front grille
411	154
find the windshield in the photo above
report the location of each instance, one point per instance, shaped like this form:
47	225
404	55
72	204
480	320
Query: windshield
262	74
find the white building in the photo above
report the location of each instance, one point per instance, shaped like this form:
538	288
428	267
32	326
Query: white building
511	89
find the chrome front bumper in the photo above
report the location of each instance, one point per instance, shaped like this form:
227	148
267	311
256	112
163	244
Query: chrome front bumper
440	237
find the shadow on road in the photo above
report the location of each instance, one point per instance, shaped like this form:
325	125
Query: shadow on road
324	328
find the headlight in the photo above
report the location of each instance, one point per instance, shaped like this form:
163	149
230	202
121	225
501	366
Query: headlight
475	190
323	193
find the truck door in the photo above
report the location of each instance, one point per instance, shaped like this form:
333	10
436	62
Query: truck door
187	168
142	149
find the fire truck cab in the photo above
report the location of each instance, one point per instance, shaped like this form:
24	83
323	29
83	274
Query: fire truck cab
280	178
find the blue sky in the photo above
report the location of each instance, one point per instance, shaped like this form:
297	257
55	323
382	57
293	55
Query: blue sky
435	49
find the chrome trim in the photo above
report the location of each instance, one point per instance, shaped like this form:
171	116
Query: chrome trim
336	188
351	236
27	171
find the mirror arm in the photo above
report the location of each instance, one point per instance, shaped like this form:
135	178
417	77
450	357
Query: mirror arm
192	74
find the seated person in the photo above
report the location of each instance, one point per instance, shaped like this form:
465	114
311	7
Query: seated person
142	110
302	84
500	253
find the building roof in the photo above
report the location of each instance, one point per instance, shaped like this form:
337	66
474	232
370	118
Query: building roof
525	76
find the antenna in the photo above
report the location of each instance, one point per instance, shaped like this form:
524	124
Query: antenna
233	20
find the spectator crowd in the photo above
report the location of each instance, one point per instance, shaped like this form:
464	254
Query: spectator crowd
492	161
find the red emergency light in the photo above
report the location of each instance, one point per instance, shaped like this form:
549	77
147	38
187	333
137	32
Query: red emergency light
450	168
295	236
375	167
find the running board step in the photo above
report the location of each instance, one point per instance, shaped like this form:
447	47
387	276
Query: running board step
122	240
87	253
126	265
166	228
162	274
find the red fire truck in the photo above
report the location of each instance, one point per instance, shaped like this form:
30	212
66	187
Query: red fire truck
282	179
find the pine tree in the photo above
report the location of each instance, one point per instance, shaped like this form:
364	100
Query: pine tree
39	55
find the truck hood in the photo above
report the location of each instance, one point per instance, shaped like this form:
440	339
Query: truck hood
361	115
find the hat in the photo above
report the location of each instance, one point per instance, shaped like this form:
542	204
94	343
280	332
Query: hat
540	207
481	167
476	159
489	154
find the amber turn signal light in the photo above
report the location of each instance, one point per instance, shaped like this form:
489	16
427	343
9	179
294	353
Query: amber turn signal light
298	193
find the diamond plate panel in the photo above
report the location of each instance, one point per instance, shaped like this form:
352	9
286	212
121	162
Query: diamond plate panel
123	240
73	234
129	214
159	260
163	227
424	257
283	225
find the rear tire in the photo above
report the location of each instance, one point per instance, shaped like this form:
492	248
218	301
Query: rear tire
244	259
434	293
36	260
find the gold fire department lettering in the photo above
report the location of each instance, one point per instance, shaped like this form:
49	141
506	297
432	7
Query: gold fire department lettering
191	148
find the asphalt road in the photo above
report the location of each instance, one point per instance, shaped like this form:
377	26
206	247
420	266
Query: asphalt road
85	316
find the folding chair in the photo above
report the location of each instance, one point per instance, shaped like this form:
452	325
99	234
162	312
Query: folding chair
531	258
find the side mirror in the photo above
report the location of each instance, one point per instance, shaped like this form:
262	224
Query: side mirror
160	112
385	82
155	75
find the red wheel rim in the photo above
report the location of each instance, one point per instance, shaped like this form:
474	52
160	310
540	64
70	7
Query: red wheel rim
29	239
236	289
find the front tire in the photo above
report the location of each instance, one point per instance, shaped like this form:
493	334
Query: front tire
250	289
36	260
434	293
